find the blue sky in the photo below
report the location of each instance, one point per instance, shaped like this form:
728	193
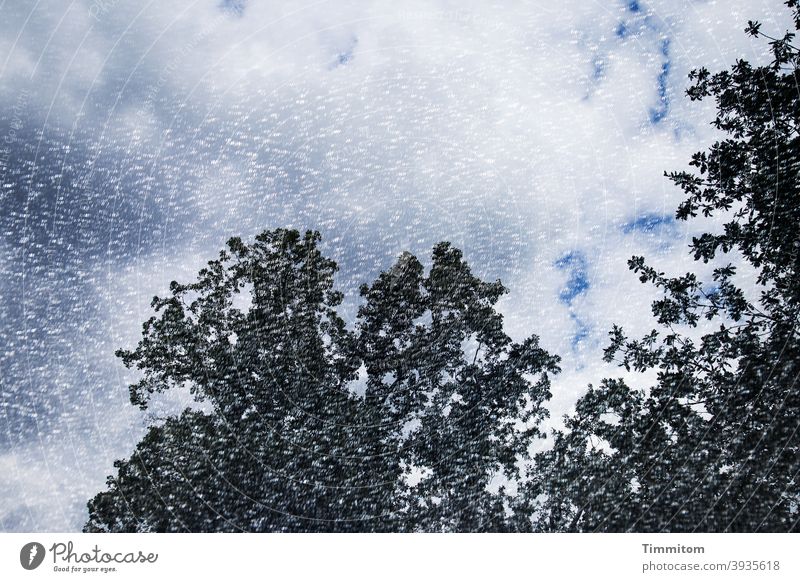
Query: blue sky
135	138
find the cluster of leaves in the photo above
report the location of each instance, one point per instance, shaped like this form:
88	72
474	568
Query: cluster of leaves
449	404
287	444
713	445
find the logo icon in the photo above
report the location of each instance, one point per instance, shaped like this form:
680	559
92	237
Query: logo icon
31	555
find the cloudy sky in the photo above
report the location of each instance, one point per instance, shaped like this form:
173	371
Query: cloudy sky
136	137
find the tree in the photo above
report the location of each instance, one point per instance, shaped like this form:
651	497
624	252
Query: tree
284	447
287	444
713	445
464	399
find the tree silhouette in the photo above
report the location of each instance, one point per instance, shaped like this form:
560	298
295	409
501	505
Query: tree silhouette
288	444
713	444
402	420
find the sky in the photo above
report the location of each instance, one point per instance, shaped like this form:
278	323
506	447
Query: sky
137	137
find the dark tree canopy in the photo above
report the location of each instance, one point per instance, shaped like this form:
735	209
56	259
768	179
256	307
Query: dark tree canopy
287	445
713	445
402	420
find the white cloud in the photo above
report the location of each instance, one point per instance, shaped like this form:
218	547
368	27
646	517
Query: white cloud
519	134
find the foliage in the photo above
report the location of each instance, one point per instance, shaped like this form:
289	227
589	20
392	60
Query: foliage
449	405
713	444
287	444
